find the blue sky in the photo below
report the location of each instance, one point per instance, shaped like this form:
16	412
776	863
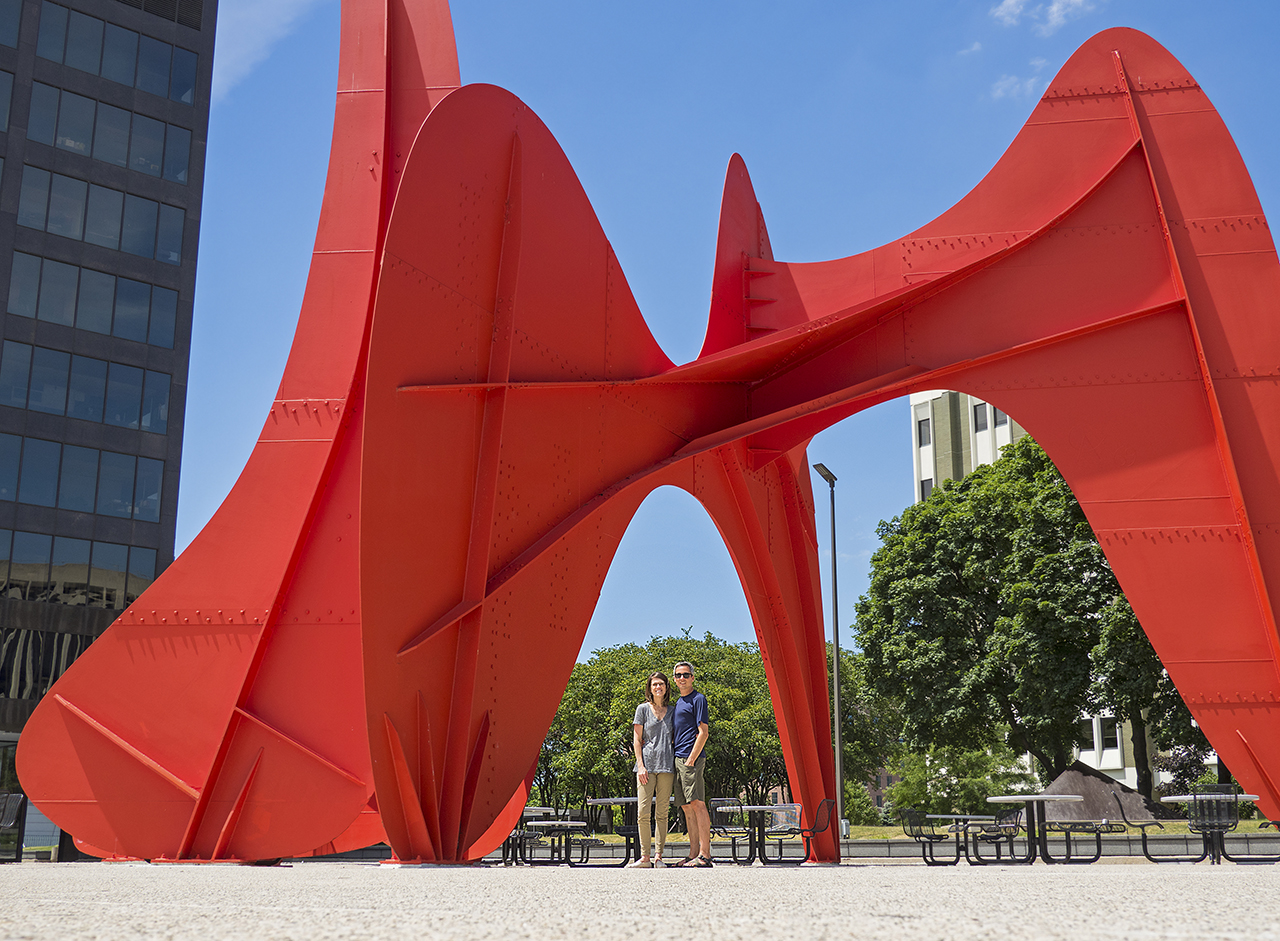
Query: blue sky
859	121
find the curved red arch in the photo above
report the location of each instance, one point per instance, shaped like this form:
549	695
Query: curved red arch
475	402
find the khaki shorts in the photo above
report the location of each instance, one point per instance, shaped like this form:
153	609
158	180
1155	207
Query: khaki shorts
689	785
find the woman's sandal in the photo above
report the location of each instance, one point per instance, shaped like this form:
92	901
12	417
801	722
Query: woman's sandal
686	863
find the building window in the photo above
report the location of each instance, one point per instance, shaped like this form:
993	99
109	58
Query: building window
92	300
48	473
1086	735
1000	417
63	205
10	20
121	55
926	488
30	661
112	135
182	12
6	98
980	417
39	567
1110	733
924	436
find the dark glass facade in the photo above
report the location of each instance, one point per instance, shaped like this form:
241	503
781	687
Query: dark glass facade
104	110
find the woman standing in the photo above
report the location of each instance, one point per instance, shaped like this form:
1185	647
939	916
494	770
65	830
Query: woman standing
655	764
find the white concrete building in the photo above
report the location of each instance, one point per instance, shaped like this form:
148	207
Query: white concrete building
952	433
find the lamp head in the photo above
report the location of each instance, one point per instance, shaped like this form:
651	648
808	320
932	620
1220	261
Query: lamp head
826	474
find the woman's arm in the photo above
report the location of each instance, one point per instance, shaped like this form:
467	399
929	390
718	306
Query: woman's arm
637	733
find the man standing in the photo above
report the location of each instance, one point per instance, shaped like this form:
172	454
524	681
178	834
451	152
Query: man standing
692	728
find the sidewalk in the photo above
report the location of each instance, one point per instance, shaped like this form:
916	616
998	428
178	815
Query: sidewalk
898	899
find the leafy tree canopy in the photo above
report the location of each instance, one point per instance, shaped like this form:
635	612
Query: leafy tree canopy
950	780
588	749
992	606
587	752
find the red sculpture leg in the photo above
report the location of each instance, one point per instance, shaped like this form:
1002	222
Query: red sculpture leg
218	717
766	519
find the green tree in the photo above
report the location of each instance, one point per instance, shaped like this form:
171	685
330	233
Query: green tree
588	753
872	726
949	780
859	809
986	606
872	723
1130	683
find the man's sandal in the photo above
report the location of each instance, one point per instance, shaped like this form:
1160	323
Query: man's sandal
701	862
686	863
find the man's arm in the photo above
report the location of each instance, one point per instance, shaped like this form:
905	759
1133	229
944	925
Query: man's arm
704	733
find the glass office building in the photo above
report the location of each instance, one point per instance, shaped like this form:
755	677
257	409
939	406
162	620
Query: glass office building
104	109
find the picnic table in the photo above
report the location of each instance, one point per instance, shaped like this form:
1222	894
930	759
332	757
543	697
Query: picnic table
560	833
630	829
1213	812
513	847
759	830
1038	831
960	827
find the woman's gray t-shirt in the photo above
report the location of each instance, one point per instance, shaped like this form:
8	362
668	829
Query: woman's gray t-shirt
658	741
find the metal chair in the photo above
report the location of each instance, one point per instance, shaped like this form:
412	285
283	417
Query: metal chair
1146	851
821	821
922	831
788	828
12	822
729	822
1215	812
999	833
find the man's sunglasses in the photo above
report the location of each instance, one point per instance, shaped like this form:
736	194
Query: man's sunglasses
683	676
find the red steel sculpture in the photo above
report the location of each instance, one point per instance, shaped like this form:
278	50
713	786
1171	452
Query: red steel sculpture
375	629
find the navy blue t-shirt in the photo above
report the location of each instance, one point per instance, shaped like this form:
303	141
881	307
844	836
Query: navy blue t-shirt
691	711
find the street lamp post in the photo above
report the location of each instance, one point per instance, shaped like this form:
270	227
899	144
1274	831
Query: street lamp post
830	478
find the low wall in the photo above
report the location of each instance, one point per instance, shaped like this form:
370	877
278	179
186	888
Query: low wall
1187	844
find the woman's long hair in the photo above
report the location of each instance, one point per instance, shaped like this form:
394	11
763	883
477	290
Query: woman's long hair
648	687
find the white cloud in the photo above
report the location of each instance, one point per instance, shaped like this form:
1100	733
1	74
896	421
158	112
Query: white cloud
1011	86
976	47
1008	11
1059	12
247	31
1048	17
1039	64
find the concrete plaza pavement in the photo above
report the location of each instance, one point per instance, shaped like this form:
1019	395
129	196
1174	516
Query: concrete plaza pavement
892	899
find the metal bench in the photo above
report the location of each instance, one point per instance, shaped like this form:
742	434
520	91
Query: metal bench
1143	825
1070	828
